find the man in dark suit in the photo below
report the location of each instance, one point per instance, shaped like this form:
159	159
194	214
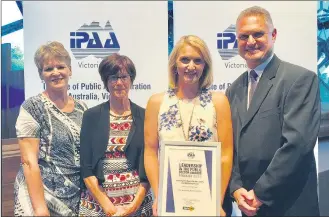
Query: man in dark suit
276	117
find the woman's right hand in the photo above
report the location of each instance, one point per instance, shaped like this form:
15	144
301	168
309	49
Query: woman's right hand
155	207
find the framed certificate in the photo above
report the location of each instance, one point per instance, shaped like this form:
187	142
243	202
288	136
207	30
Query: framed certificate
190	179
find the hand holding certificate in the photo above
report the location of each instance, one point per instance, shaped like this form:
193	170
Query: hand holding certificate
189	179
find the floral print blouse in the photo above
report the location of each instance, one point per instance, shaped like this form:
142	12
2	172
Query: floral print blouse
192	120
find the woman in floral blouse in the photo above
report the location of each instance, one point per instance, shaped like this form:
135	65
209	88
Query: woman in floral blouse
188	111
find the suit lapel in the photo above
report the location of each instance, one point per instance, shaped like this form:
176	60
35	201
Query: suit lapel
103	128
263	87
135	115
242	92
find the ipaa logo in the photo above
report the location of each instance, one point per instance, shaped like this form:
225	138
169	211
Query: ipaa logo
227	47
227	44
190	155
93	40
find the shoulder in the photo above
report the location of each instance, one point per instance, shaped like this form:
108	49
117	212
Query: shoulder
156	99
238	81
81	104
31	111
32	100
33	104
222	105
295	77
219	99
95	110
218	96
138	109
293	72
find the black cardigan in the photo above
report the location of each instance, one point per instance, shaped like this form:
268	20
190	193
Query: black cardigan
94	139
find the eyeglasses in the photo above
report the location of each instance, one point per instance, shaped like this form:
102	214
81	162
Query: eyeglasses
114	78
255	35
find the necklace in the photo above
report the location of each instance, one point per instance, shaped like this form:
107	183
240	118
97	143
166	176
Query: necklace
124	114
189	126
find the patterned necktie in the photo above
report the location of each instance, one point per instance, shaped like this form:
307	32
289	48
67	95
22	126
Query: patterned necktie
253	85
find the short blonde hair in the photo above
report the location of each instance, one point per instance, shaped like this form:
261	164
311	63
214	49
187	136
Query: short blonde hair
206	78
51	50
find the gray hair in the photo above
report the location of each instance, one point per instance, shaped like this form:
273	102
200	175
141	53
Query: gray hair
256	11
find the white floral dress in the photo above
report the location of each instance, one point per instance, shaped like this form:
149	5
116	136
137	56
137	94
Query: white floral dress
197	117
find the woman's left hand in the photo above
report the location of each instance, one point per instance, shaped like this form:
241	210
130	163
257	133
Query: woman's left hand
131	208
126	210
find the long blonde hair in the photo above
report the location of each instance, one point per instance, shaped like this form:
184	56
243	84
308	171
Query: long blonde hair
206	78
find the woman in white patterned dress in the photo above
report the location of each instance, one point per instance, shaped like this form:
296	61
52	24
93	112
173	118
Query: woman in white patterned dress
48	128
188	111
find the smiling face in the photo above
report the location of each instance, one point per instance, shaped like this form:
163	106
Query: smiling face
255	39
56	75
190	65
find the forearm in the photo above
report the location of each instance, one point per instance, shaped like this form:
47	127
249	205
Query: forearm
226	174
35	186
140	195
99	194
152	169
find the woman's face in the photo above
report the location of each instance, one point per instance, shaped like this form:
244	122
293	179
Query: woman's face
119	85
56	74
190	65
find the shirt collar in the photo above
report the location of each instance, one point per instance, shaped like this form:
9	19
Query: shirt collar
260	68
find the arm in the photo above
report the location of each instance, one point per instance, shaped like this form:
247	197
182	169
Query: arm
29	148
85	145
236	190
86	165
140	195
139	198
28	134
100	195
152	142
144	187
225	135
301	122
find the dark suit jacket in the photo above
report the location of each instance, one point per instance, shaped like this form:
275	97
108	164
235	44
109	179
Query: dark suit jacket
274	139
94	139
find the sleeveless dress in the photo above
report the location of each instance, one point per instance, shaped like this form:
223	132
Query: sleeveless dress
198	114
59	157
187	120
121	180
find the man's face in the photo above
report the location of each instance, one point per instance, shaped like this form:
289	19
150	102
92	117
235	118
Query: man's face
255	39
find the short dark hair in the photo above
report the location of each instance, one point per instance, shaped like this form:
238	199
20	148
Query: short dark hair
113	64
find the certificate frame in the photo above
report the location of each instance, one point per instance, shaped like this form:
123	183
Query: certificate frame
169	199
